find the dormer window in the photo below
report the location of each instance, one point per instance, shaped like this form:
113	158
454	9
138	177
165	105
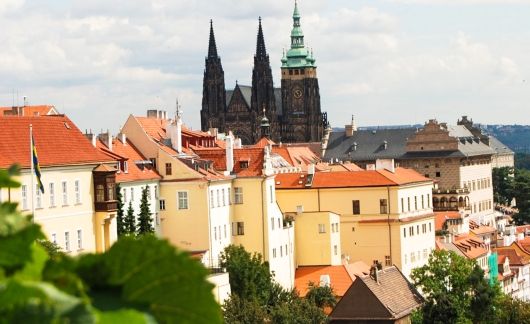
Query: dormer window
243	164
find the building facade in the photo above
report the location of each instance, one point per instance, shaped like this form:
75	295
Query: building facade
293	110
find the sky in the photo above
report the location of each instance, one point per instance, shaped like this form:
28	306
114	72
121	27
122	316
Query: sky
388	62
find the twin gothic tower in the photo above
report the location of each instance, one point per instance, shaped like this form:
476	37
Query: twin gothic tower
293	111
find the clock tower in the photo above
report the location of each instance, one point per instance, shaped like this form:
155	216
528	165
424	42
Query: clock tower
302	119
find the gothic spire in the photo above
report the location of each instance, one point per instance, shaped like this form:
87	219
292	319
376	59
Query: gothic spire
212	48
261	51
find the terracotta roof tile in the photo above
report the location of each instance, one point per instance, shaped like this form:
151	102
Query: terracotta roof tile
248	161
29	111
441	217
515	258
58	142
472	247
131	154
340	280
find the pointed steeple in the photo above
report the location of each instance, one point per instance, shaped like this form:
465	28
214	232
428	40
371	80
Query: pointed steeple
261	51
298	55
212	48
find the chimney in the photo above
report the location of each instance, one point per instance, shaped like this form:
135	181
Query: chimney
213	131
123	138
106	138
91	137
237	142
351	128
229	152
311	169
152	113
387	164
374	269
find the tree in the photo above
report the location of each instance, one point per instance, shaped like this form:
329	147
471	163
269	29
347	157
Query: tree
455	289
144	218
120	218
130	221
502	179
321	296
128	283
521	193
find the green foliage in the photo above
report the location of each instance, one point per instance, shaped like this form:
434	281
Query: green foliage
321	296
139	280
256	298
120	217
513	311
521	192
250	277
522	160
455	290
130	221
144	218
502	179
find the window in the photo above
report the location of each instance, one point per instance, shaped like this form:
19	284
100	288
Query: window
238	195
281	250
438	174
211	199
162	204
406	258
240	228
38	197
422	202
218	198
148	192
383	206
215	233
67	241
425	254
124	194
168	169
223	197
243	164
79	239
54	238
408	203
356	207
271	189
24	192
100	193
77	189
411	231
412	257
279	221
429	200
335	250
404	232
322	228
132	194
183	200
286	250
402	205
424	228
224	229
155	191
229	198
274	252
52	194
153	162
125	167
111	189
388	262
417	229
272	223
65	193
415	203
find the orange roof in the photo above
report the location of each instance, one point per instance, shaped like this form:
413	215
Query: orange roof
522	228
480	229
263	142
248	161
340	280
472	247
154	127
57	138
344	179
515	258
129	153
28	111
441	217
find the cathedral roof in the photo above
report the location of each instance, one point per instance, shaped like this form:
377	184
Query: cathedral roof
246	91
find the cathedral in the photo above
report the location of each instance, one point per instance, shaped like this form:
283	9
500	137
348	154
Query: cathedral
292	111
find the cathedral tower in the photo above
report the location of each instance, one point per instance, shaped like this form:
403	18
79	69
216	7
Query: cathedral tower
263	89
213	93
302	119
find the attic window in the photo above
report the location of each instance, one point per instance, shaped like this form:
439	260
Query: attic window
66	125
243	164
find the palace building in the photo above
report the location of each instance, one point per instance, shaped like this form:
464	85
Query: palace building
293	110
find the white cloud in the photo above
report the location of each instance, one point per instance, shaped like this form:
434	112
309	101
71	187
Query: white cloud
461	2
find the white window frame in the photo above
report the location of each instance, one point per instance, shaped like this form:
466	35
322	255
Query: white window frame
79	239
54	238
162	204
52	194
77	190
132	194
238	195
321	228
182	201
64	191
38	197
67	241
24	195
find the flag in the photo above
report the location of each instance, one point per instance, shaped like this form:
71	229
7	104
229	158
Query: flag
36	165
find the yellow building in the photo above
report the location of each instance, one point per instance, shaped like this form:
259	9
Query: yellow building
385	214
69	211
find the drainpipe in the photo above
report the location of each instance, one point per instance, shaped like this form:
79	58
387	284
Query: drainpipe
318	192
263	217
388	222
209	222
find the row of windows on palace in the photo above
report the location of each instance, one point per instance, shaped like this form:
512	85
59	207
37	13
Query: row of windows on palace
218	198
436	165
67	247
477	184
51	190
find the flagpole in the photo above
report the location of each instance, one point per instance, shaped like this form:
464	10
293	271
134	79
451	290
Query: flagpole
32	189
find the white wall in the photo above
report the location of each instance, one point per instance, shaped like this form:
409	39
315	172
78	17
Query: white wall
420	244
219	218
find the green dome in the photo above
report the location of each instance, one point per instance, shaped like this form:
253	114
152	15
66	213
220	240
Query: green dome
298	55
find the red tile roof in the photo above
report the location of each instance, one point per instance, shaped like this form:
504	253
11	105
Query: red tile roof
441	217
129	153
344	179
515	258
57	138
28	111
263	142
472	247
251	156
340	279
480	229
